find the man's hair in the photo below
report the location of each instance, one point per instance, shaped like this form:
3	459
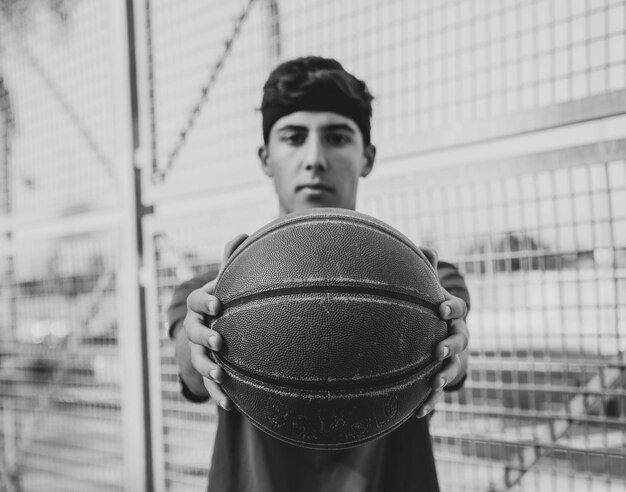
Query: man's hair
313	83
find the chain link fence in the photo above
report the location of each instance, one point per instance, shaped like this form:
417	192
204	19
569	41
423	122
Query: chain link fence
61	405
499	128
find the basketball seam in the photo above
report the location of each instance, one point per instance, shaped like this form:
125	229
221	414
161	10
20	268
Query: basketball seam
339	289
430	367
337	385
339	218
335	446
331	446
381	227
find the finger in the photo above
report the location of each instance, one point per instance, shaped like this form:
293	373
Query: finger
201	302
209	287
199	334
215	391
429	404
449	372
202	363
456	342
453	307
212	375
451	347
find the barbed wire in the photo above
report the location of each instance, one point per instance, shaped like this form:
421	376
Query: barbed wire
192	117
73	114
150	88
7	124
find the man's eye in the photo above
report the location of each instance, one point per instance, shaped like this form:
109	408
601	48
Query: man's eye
293	138
337	139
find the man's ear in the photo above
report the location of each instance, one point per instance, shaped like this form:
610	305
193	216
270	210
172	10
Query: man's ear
369	154
264	155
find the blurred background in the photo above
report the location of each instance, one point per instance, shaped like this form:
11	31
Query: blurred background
128	137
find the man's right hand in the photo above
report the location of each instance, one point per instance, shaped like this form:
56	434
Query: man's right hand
201	375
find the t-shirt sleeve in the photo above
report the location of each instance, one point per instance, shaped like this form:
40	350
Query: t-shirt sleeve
177	309
453	281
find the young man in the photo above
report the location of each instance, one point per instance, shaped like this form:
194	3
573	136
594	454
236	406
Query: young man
316	129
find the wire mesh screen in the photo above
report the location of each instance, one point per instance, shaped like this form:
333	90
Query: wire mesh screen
473	67
60	366
544	255
536	88
433	65
185	247
219	52
456	61
188	429
55	83
60	400
541	243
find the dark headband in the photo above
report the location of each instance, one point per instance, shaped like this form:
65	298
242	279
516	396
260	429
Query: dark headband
318	99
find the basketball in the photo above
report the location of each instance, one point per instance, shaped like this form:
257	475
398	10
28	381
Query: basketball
329	324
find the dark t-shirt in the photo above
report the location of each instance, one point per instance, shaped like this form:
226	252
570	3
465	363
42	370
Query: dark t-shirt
247	459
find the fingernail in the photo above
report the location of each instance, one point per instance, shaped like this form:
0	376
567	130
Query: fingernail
445	352
212	340
213	374
447	311
223	404
212	306
442	383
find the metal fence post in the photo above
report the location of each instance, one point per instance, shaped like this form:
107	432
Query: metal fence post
138	474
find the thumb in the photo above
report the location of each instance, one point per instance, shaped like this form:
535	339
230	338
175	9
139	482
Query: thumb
230	248
430	254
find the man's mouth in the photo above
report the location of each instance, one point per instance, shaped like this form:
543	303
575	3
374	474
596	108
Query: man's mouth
314	187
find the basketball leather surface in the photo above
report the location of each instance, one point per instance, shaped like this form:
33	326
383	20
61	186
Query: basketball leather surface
329	324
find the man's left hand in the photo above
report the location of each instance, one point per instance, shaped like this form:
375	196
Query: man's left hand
452	351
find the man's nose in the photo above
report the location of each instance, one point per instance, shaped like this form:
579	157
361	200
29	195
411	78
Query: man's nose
315	157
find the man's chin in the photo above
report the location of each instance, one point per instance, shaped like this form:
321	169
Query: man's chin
303	205
315	201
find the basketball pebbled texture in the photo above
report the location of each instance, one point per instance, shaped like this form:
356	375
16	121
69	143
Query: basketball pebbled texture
329	324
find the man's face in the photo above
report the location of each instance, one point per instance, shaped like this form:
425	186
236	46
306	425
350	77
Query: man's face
316	160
